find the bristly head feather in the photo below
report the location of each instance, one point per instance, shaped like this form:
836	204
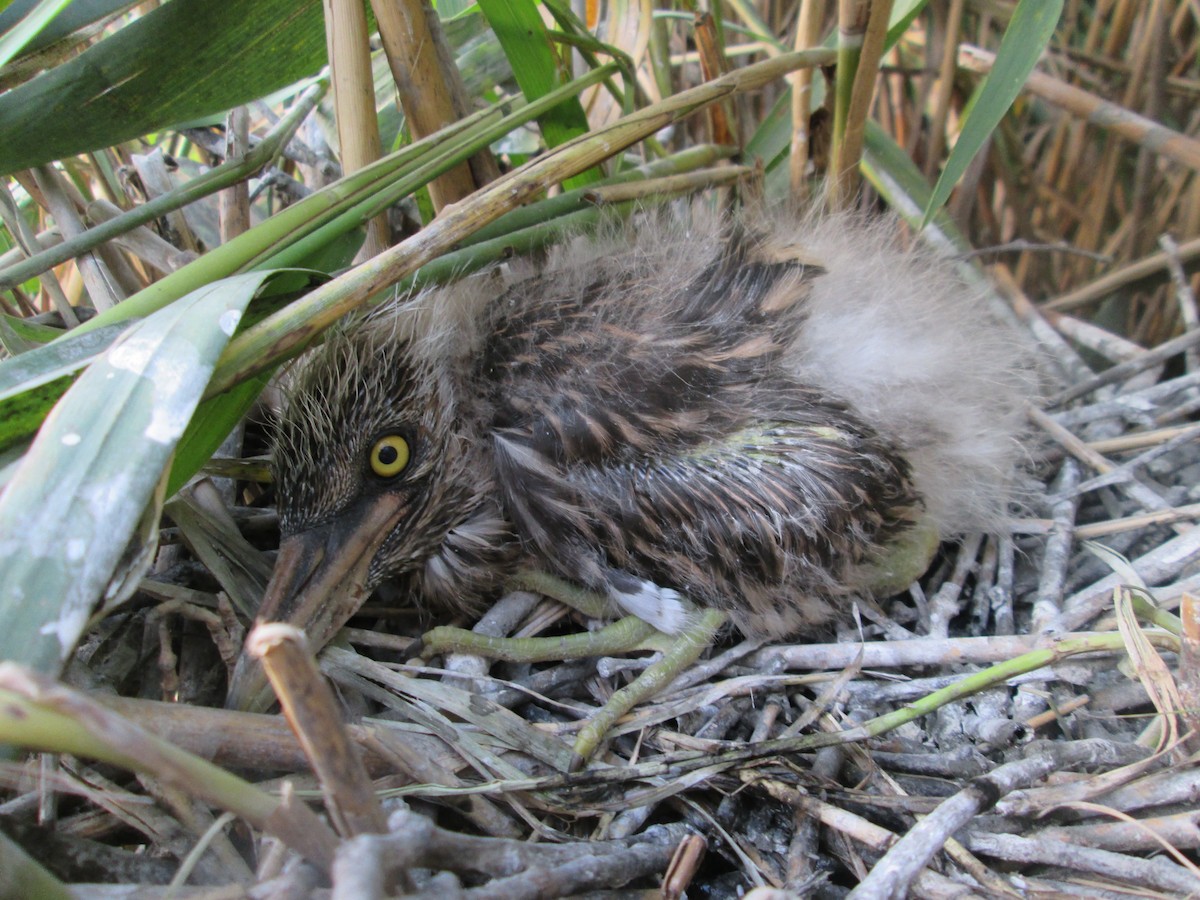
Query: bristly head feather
391	372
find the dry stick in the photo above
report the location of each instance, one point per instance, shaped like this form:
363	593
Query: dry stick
944	90
412	40
808	32
1122	371
234	201
348	44
906	654
1092	530
1157	873
38	712
1057	555
1140	492
1137	405
803	849
1124	471
1112	347
1154	567
232	739
1164	788
15	222
214	851
1140	439
517	868
927	884
1058	350
713	64
140	241
312	711
157	179
871	692
101	286
1001	593
943	606
1144	268
1124	122
893	874
1180	830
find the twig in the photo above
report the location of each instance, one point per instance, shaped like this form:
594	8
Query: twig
1146	133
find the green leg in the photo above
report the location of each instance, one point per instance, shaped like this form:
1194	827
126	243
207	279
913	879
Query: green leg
683	652
621	636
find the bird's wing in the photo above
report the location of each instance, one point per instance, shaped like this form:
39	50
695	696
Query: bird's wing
775	507
775	502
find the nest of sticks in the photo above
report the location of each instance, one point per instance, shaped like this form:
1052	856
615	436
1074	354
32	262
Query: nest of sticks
1020	723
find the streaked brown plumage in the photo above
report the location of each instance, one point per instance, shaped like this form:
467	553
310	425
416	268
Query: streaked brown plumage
744	416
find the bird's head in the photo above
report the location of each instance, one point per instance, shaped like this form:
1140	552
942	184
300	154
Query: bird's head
370	466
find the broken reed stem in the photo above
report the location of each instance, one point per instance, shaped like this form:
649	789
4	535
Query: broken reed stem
1144	132
312	712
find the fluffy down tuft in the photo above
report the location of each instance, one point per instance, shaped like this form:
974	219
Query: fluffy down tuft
899	335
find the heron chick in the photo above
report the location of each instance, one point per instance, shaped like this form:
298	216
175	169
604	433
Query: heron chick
742	416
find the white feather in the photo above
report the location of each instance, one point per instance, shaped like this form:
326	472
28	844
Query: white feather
913	347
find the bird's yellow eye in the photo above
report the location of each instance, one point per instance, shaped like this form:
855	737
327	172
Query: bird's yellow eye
389	456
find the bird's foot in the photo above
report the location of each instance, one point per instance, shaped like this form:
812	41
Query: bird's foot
685	650
621	636
693	632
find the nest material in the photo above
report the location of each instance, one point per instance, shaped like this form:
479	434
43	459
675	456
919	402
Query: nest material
1014	761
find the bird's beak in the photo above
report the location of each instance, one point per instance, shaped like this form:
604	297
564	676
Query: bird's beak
319	582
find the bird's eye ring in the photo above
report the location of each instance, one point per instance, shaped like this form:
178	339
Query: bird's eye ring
389	456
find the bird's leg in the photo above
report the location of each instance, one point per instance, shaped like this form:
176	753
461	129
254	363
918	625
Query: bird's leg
901	561
684	650
622	636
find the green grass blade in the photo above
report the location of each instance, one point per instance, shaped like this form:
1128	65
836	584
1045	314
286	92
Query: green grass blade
182	61
1028	33
79	496
893	174
30	384
76	17
519	29
14	40
902	15
18	335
